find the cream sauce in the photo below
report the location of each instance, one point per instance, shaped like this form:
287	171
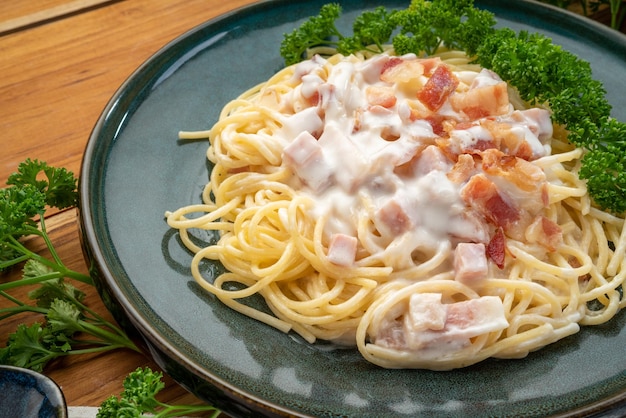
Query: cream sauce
373	155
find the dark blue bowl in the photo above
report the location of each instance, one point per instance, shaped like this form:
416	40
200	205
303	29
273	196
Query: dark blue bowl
25	393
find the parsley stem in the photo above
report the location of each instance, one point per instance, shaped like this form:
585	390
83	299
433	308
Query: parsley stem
57	266
7	312
183	410
116	338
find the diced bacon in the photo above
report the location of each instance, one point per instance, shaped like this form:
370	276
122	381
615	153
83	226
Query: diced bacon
304	155
380	96
480	102
406	74
438	88
437	123
501	212
388	67
523	174
430	64
470	263
394	218
462	321
523	133
483	195
496	249
463	169
544	232
342	249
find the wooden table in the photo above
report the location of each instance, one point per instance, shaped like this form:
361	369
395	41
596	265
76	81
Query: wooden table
61	61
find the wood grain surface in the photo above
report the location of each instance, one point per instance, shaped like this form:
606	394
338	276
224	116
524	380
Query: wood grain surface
58	73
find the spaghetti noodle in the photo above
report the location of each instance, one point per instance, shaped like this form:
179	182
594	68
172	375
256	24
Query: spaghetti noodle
414	208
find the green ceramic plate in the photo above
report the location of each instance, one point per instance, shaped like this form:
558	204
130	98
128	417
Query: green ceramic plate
135	169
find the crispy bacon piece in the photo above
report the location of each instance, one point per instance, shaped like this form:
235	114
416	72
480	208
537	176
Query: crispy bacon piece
496	248
437	123
523	174
388	66
463	169
380	96
482	194
480	102
438	88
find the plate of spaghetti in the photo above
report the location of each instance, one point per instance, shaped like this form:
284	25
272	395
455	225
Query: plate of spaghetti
376	233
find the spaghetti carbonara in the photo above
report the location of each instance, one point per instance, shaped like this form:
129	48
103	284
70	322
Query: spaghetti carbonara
412	207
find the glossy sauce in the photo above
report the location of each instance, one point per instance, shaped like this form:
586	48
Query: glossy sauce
376	151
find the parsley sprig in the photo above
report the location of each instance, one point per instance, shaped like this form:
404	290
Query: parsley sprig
138	399
67	325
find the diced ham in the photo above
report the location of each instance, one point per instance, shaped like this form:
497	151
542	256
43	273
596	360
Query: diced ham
342	249
461	321
430	159
307	120
474	317
438	88
388	67
425	312
304	155
470	263
544	232
394	218
469	227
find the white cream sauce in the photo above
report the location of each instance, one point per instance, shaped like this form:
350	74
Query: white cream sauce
362	145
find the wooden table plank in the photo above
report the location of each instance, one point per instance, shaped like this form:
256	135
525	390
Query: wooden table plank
56	80
52	92
25	14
